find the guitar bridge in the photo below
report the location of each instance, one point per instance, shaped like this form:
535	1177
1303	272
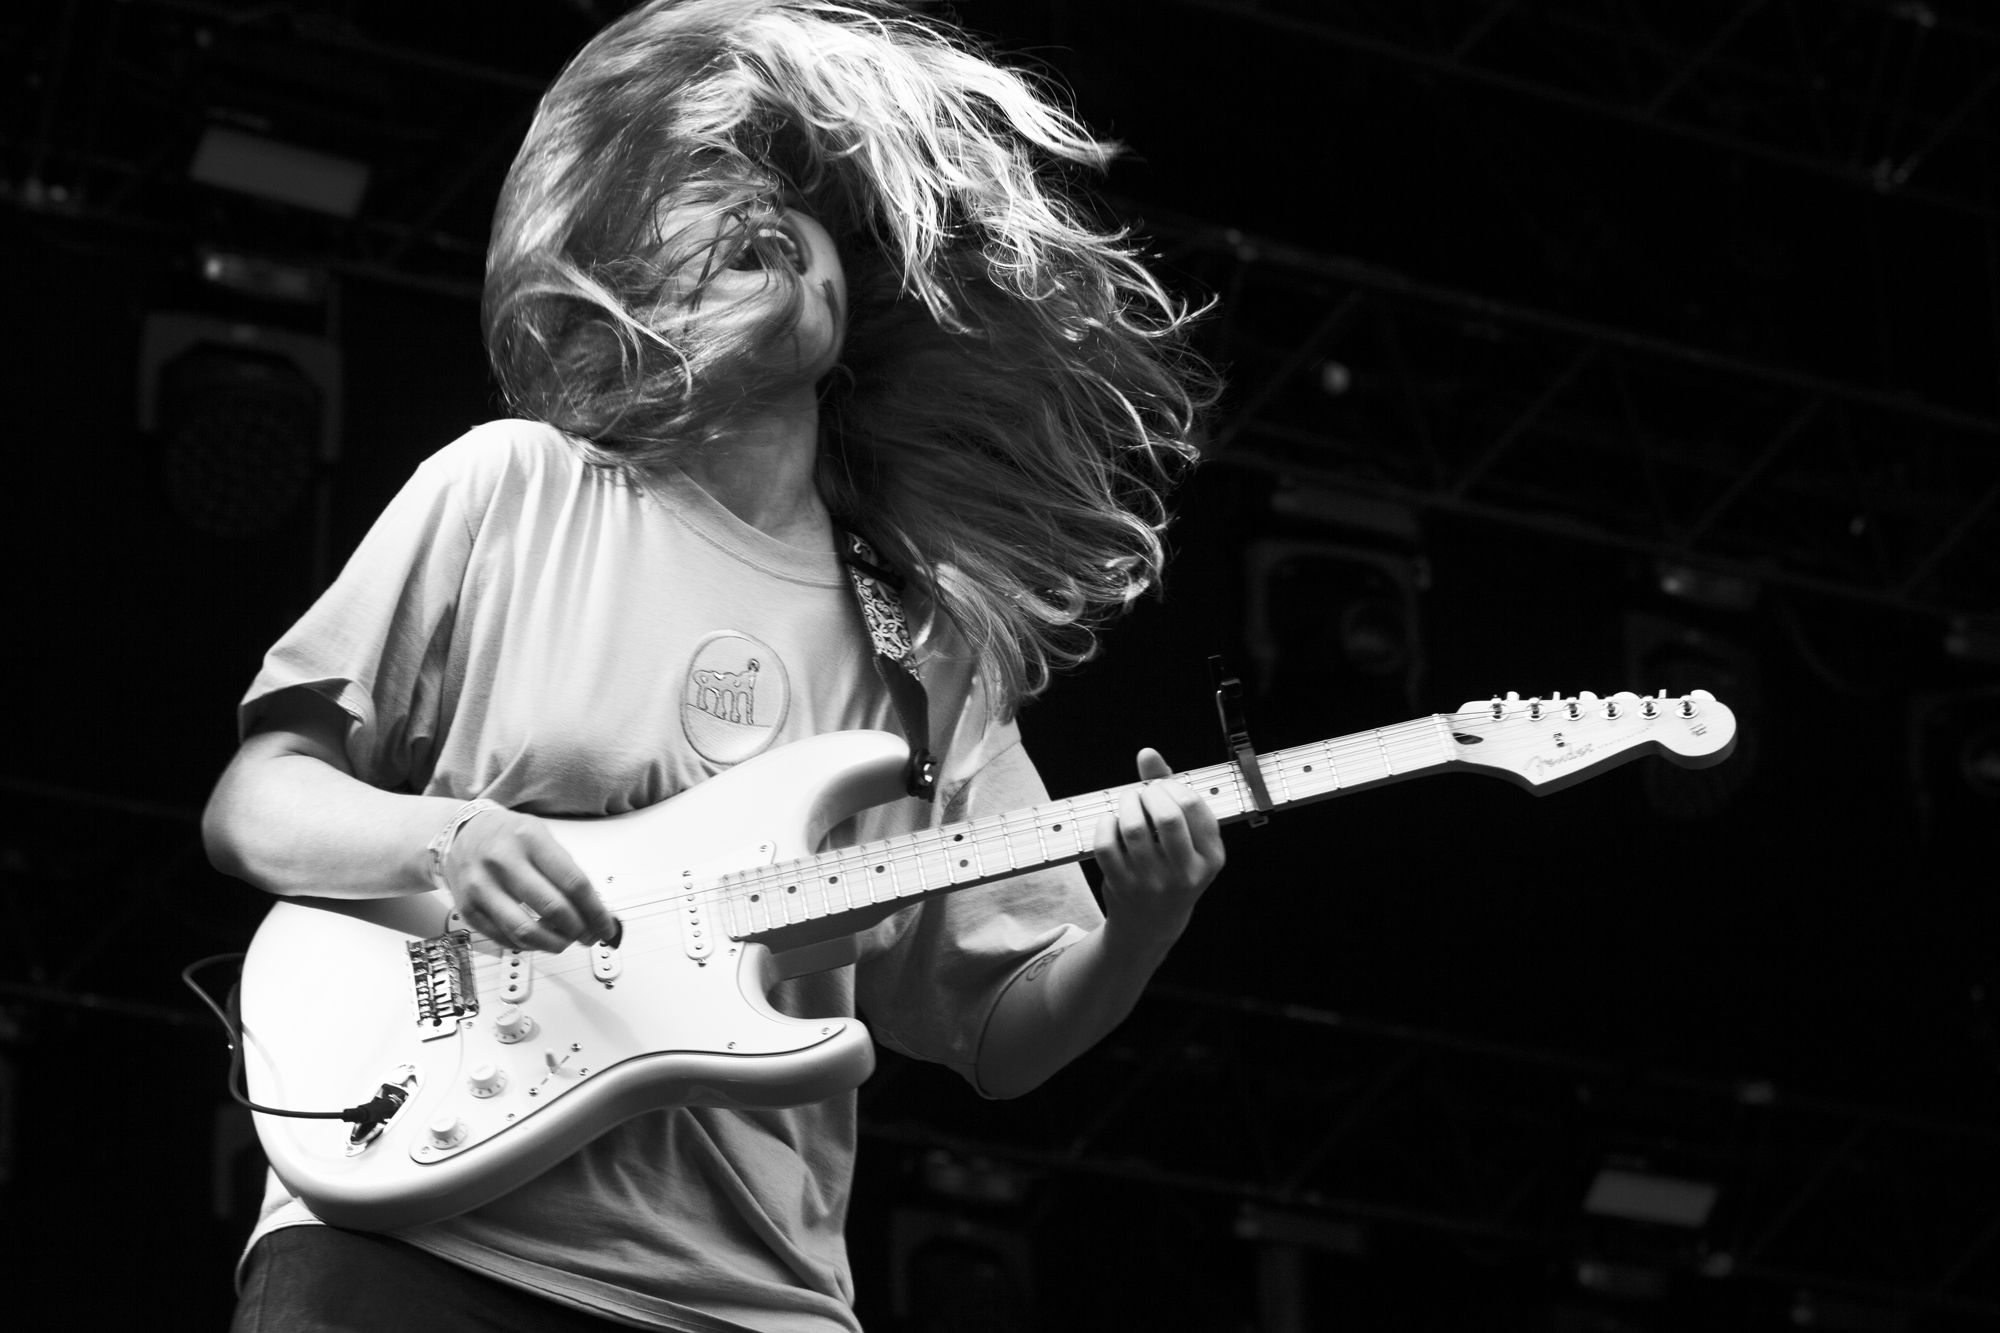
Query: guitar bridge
441	980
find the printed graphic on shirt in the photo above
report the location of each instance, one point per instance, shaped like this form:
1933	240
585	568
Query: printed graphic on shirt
736	697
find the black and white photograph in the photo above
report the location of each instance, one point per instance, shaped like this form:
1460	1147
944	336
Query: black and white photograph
1001	666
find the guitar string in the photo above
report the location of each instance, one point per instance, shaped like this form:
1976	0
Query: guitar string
985	838
1293	772
1383	747
983	835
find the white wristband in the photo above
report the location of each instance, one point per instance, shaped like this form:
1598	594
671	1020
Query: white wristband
440	846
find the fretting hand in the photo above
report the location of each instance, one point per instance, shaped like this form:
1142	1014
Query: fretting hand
1158	852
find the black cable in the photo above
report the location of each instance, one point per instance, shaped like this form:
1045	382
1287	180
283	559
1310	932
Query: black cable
372	1112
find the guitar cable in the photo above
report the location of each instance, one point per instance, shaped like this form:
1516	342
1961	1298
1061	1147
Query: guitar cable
365	1116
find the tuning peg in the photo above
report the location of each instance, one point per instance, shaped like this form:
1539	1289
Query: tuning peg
1573	708
1535	709
1586	696
1703	695
1498	708
1512	697
1649	707
1687	708
1610	709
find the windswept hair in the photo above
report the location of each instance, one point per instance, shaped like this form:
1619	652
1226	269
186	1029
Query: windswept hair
1015	395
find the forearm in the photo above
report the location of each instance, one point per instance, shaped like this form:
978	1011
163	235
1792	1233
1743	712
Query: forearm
295	825
1062	1005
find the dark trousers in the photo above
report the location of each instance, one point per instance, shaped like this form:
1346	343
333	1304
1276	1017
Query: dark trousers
322	1280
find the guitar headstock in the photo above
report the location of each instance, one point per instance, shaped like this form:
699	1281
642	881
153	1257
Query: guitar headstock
1546	744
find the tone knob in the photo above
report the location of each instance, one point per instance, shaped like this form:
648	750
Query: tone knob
511	1024
447	1131
486	1079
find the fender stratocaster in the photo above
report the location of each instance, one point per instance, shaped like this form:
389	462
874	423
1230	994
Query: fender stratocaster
500	1063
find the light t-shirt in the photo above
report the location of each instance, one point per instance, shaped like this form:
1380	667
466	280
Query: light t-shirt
523	627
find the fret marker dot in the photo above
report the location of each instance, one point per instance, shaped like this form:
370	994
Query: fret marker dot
1309	768
880	869
833	879
753	897
791	888
1215	791
958	837
1058	828
963	863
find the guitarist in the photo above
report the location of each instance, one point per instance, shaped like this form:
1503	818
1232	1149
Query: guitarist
764	273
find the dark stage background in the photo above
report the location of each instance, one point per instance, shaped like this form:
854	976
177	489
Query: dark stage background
1571	345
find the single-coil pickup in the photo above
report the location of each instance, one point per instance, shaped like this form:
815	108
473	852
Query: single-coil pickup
696	933
517	975
441	981
604	964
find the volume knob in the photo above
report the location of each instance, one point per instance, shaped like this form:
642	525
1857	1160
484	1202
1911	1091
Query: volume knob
447	1131
487	1079
512	1025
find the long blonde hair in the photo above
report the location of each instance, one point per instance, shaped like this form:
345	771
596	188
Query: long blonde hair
1015	396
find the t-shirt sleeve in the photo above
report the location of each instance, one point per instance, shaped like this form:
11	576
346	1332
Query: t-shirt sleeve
929	977
375	642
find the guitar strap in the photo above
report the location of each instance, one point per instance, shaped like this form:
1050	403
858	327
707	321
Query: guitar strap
876	586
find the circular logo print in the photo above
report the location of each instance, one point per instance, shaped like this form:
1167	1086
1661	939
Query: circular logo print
736	697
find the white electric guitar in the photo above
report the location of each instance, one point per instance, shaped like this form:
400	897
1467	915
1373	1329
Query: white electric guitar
497	1064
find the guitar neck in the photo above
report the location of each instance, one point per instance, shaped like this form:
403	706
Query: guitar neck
994	847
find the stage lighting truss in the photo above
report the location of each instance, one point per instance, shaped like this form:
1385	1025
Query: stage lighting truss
281	128
1456	403
1890	97
1321	1129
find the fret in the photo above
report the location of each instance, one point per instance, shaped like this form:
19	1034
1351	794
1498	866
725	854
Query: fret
850	867
1441	729
1208	784
813	893
930	862
857	876
882	883
1024	840
836	882
1061	821
1325	749
895	873
958	865
871	867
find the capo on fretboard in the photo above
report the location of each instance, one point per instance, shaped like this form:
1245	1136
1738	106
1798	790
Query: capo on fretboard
1236	738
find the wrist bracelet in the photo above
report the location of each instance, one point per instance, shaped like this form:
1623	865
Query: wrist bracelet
440	846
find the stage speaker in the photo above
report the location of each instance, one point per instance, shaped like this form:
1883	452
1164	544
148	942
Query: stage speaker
952	1274
247	419
1335	631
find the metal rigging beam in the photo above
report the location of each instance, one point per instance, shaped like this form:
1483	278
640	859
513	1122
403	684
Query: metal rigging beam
1886	176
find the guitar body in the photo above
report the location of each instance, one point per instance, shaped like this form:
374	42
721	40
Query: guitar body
330	1009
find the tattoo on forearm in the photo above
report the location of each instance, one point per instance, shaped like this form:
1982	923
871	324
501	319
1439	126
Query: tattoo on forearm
1042	964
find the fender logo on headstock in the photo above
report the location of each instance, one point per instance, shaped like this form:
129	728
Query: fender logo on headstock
1541	765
